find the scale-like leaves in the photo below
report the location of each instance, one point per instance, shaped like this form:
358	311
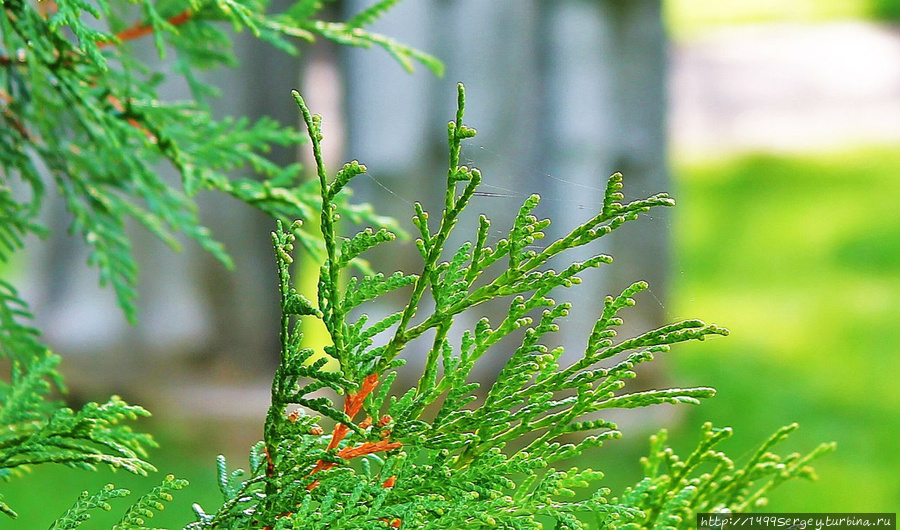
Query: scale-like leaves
135	517
437	455
82	115
389	462
371	287
19	340
91	114
675	490
80	512
94	435
147	505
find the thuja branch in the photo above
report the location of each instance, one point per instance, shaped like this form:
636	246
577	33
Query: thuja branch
100	128
141	28
330	296
135	31
431	246
332	311
81	114
452	468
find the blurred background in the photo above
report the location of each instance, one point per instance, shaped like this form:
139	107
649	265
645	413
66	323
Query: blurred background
776	126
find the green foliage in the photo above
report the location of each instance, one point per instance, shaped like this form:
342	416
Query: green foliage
444	454
18	340
135	517
88	110
674	491
81	114
35	433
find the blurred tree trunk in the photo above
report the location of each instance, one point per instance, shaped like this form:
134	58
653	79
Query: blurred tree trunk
638	47
563	93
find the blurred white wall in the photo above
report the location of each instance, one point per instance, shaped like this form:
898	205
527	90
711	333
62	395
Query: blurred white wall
786	87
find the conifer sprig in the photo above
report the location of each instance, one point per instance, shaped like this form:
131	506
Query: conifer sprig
19	340
94	435
388	464
80	512
135	517
88	110
81	113
675	490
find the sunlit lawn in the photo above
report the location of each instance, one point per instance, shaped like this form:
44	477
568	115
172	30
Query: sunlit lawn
800	258
686	17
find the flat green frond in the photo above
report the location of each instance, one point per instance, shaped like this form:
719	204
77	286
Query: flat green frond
86	108
159	25
343	177
68	15
19	221
371	287
147	505
349	35
23	404
448	451
371	14
673	396
240	15
80	512
361	242
364	336
94	435
675	490
135	517
449	284
19	341
83	114
228	482
35	434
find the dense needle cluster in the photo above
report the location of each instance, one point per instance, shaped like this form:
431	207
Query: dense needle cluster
345	448
447	453
81	114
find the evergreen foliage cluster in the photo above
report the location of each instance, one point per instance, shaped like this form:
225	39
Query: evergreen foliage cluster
444	454
341	448
81	114
77	102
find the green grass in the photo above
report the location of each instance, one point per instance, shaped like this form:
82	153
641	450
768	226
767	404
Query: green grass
686	17
800	258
